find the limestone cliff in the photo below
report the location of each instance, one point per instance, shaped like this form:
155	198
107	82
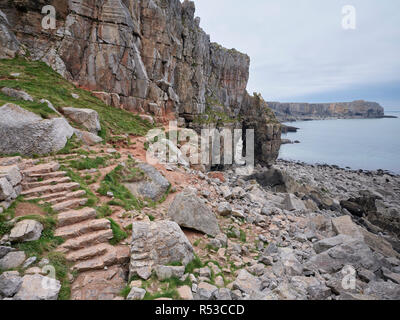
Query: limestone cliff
146	56
316	111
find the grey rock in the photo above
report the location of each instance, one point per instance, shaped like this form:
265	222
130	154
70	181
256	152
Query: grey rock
290	263
167	272
189	211
11	173
153	185
383	290
18	94
4	250
246	282
158	243
224	209
136	294
88	118
345	226
291	203
26	230
328	243
9	45
87	138
10	283
26	133
6	190
38	287
144	273
29	262
223	294
354	253
206	291
12	260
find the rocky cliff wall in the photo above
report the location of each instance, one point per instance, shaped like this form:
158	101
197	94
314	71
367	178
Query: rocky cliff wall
315	111
143	56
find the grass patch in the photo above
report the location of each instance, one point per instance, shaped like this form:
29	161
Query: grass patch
41	82
88	163
113	182
47	242
194	264
242	236
59	262
92	199
118	233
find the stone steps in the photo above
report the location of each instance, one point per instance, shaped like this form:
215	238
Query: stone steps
37	184
41	169
88	253
45	190
45	176
69	204
79	229
114	255
76	216
86	237
86	240
62	196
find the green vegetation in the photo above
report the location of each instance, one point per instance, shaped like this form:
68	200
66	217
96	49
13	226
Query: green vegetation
41	82
103	211
40	109
194	264
113	182
242	236
92	199
47	242
213	113
88	163
118	233
59	262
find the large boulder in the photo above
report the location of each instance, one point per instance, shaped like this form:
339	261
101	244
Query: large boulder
12	260
38	287
354	253
26	230
158	243
189	211
26	133
10	283
12	174
88	118
6	190
153	185
88	138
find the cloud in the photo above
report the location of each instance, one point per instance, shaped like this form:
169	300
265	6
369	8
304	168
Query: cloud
299	49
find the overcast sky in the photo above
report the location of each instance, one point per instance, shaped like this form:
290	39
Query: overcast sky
300	52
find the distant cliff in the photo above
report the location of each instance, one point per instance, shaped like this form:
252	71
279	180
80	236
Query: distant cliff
316	111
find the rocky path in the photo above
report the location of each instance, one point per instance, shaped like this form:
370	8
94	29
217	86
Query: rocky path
86	238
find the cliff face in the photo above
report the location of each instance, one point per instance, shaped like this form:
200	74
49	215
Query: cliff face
307	111
143	56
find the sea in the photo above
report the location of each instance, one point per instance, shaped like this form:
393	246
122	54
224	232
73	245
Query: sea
368	144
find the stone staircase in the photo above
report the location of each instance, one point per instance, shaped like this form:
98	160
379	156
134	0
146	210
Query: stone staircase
86	237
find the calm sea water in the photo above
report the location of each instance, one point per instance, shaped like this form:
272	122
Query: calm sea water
368	144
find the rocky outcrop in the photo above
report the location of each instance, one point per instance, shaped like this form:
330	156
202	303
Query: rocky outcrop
23	132
158	243
189	211
87	118
316	111
9	45
147	56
